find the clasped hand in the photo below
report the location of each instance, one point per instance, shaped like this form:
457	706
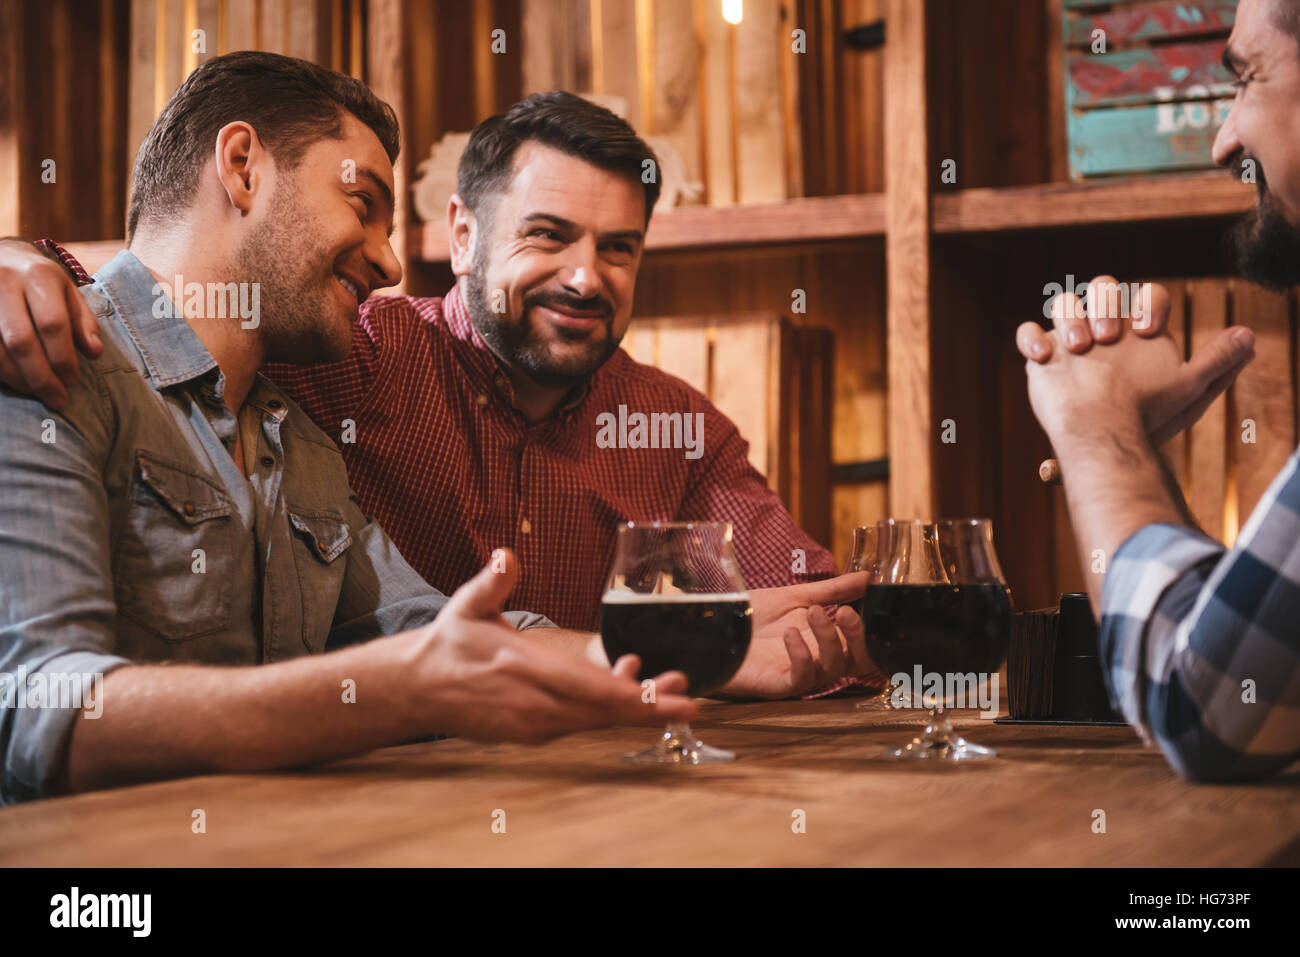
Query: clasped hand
1142	375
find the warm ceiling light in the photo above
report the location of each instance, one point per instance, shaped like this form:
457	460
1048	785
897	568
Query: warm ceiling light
733	10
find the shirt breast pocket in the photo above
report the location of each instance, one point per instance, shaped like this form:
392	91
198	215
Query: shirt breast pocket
321	537
173	571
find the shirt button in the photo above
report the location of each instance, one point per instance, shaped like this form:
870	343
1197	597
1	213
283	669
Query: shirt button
267	461
481	399
525	526
188	509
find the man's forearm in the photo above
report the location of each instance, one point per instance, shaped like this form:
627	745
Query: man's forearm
165	721
1115	484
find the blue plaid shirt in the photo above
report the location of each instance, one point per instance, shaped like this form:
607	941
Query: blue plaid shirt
1201	644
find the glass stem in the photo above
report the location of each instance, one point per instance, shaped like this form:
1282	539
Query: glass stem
940	729
678	731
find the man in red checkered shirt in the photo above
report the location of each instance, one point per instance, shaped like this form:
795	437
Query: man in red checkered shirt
504	414
496	415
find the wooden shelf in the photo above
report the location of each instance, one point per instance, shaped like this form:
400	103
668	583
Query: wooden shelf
1101	202
824	218
813	219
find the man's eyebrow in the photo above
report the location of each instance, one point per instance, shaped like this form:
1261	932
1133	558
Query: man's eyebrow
551	218
633	234
385	193
1232	60
560	221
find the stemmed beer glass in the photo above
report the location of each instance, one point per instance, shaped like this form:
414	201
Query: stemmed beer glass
675	598
939	613
868	546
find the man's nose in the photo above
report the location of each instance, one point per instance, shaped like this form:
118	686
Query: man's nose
581	275
384	262
1226	144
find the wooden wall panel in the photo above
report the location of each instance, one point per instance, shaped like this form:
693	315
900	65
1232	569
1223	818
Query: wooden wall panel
989	109
1175	450
843	291
1265	394
13	120
864	134
721	178
907	257
241	25
771	378
675	80
67	110
555	46
686	352
615	69
760	132
1207	440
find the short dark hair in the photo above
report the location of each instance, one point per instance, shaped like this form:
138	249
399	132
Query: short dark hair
290	102
1286	17
561	121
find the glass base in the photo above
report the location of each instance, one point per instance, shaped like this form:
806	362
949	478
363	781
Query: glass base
877	702
940	743
679	745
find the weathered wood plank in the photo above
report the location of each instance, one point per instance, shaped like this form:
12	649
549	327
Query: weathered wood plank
907	254
1177	71
1149	21
1129	200
386	66
1175	450
742	382
241	25
13	122
760	136
718	144
1263	398
683	351
1207	462
1167	136
143	101
676	80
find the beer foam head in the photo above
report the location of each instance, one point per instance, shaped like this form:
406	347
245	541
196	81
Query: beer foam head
624	596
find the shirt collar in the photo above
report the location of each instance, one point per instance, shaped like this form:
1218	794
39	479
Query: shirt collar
171	352
456	315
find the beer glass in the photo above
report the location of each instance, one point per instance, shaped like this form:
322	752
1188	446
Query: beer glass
939	616
867	548
676	599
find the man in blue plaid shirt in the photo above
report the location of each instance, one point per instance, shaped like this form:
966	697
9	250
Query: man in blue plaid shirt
1201	643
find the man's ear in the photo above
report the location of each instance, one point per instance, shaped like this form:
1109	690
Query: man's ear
462	233
241	163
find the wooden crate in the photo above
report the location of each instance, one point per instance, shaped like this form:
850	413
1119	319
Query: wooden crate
772	378
1157	95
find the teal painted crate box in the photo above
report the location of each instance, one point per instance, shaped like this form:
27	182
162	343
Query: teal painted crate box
1145	90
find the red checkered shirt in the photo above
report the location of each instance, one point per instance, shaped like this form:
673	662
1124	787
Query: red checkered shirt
437	453
440	457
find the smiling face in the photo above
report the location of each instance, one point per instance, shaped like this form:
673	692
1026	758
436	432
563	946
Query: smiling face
1264	127
320	244
550	280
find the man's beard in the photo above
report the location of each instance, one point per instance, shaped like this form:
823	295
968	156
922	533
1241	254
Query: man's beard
1267	245
519	346
295	306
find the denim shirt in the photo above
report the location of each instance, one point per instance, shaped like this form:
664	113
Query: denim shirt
128	533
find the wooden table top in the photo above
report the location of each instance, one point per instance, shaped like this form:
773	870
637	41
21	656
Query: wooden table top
574	802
